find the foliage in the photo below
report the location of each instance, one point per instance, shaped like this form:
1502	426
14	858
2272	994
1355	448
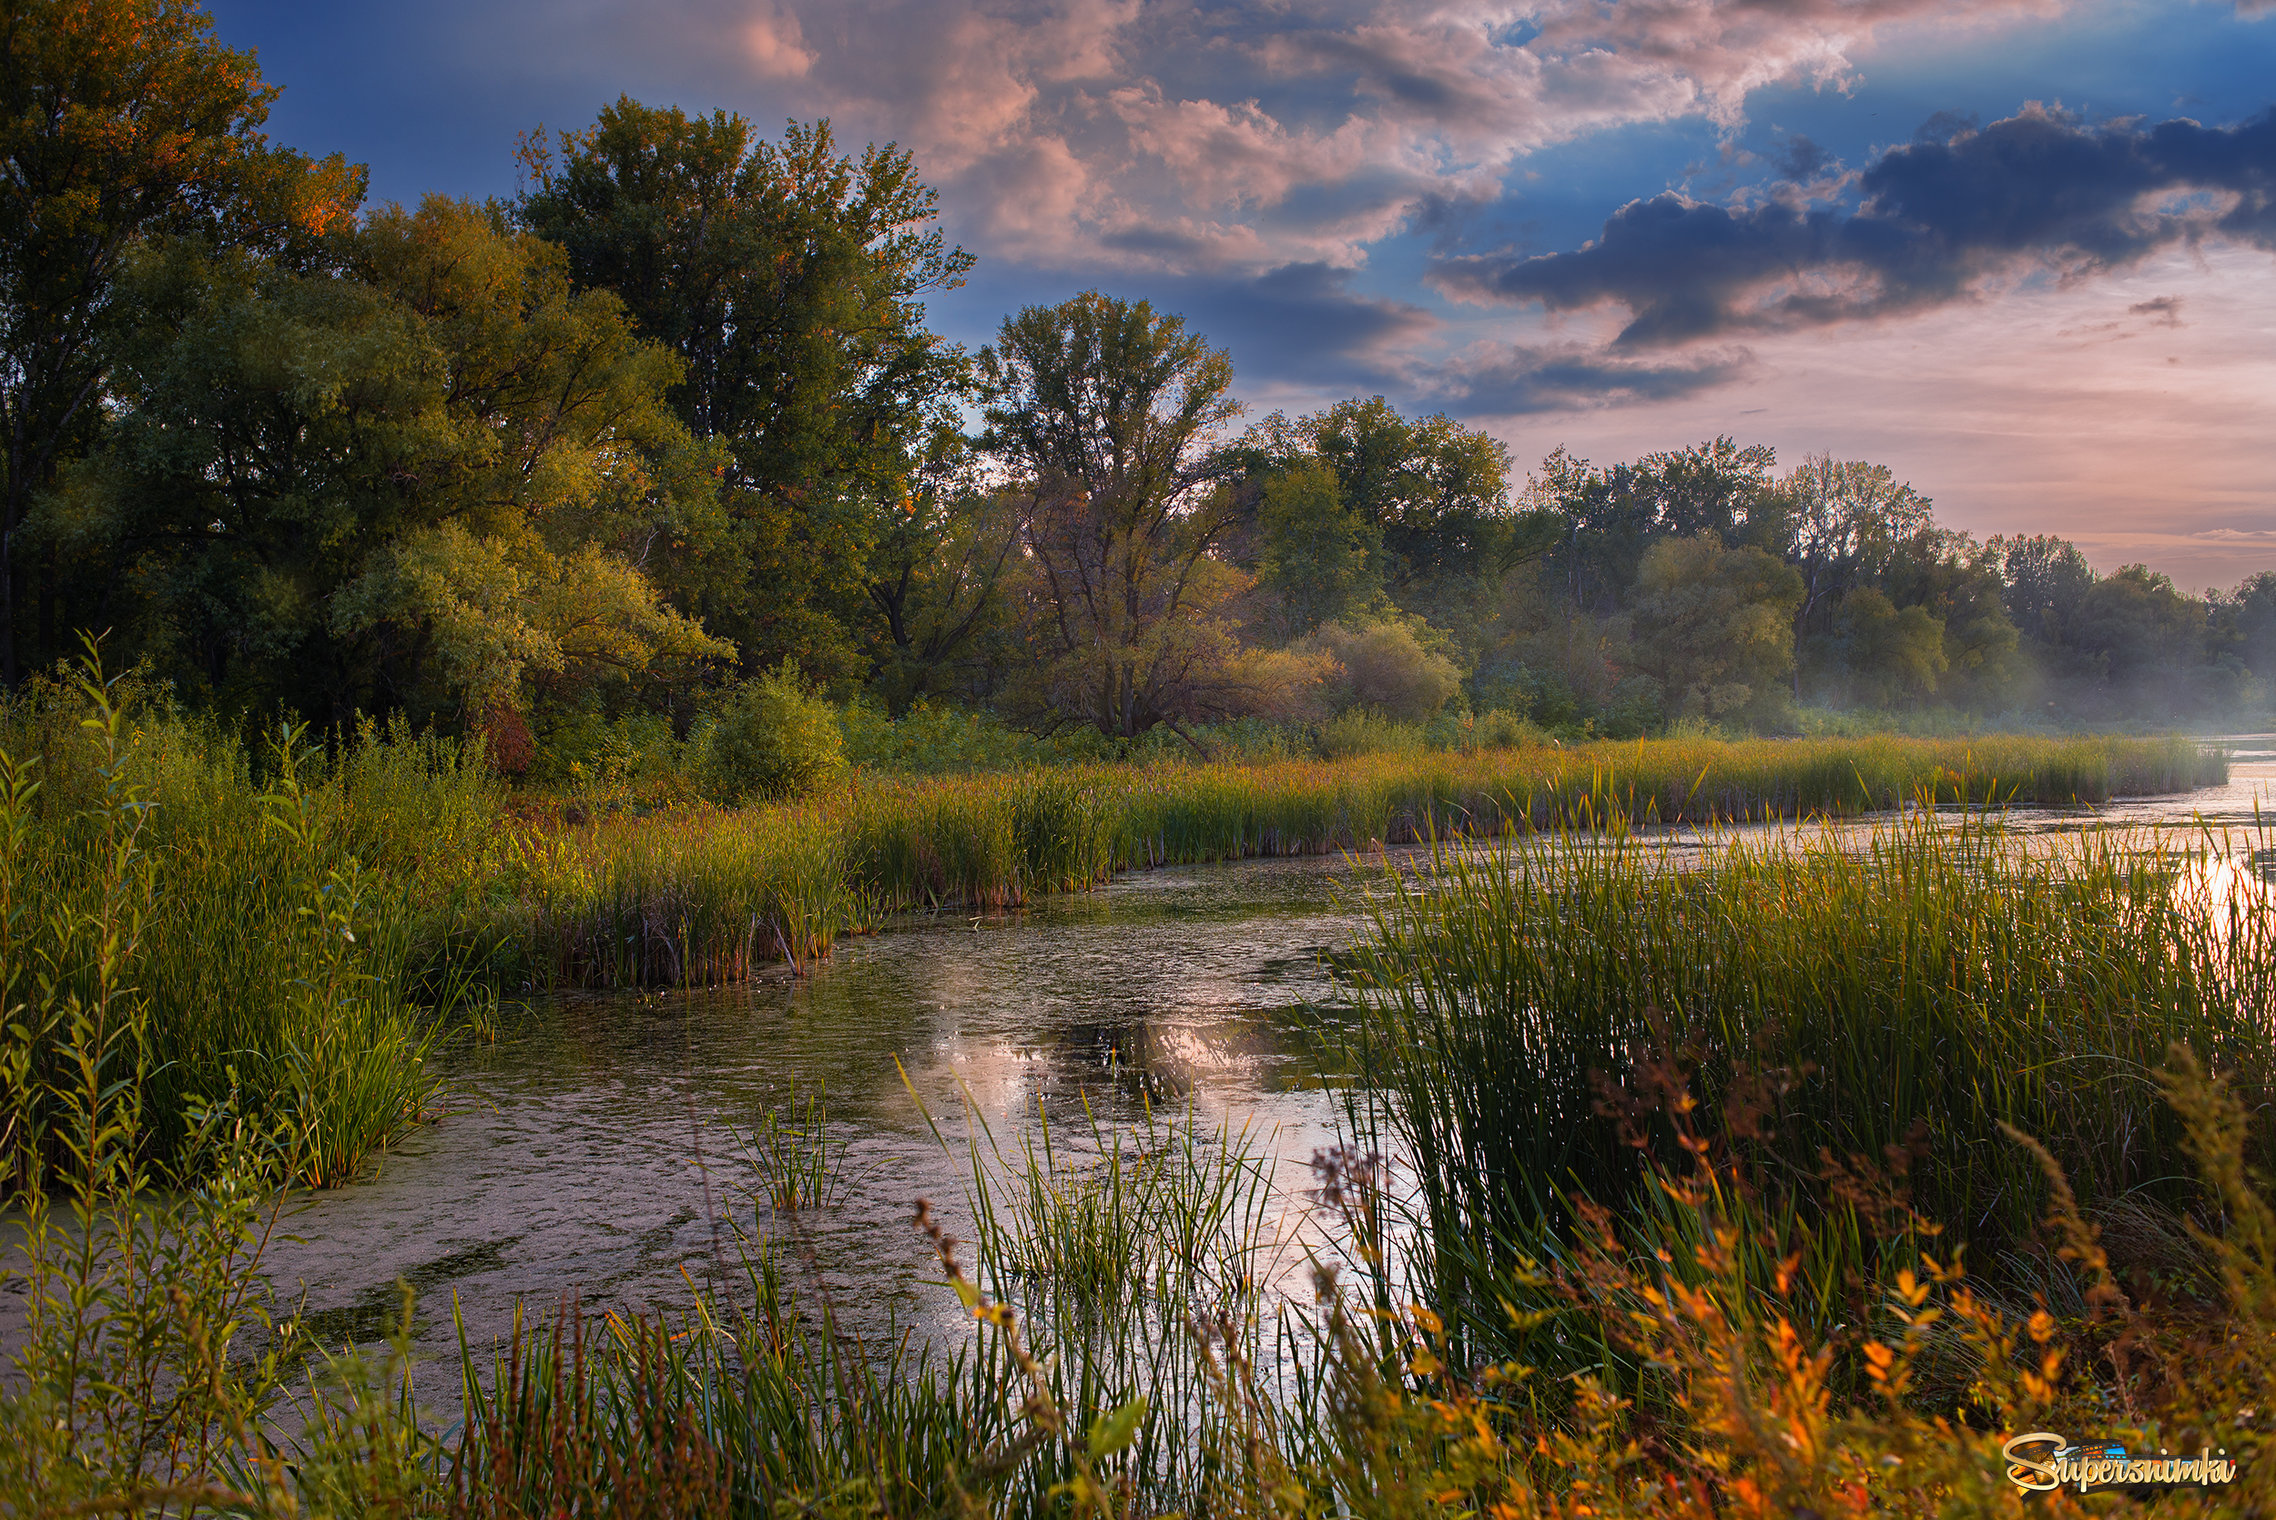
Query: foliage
429	473
790	280
942	578
1104	408
1902	992
773	737
1716	626
1383	665
268	963
118	121
1318	561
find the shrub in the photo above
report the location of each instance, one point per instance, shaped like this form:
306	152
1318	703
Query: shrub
1385	666
1498	729
1365	731
774	738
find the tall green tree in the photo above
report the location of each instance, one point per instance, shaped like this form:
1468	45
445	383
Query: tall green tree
1843	520
790	279
1318	558
1609	518
433	476
1431	496
119	120
942	578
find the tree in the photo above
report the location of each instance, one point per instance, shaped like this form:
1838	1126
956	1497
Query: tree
2046	578
790	280
1956	580
119	119
1715	626
1435	493
1609	518
1384	665
2139	639
2248	616
436	477
1318	557
1103	412
941	577
1842	518
1890	654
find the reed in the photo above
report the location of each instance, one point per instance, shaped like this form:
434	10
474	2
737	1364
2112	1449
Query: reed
692	899
266	962
1901	990
704	896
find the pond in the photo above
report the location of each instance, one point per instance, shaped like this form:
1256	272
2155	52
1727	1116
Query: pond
595	1148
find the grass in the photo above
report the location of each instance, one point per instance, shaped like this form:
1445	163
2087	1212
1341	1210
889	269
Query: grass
262	964
1127	1353
222	978
703	896
1891	996
1089	1396
307	925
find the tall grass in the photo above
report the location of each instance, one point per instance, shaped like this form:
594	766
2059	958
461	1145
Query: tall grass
1127	1356
704	896
266	959
686	900
1891	995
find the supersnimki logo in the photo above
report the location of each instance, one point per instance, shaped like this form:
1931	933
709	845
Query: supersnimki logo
2042	1461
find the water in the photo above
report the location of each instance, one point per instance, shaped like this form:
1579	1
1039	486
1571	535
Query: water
592	1150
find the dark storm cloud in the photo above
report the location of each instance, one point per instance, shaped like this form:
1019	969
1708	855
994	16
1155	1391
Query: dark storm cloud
2036	191
1799	158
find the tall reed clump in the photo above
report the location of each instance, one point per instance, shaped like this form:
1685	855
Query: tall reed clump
690	900
1905	990
268	960
993	841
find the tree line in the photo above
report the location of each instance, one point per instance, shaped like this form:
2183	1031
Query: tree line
672	419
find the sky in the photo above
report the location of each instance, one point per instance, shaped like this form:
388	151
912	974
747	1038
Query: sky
2021	251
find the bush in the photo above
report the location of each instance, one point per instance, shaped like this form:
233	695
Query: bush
774	738
1365	731
1385	666
1498	729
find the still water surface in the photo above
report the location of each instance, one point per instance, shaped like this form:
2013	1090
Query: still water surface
594	1148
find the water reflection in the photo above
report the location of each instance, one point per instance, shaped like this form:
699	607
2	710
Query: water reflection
593	1150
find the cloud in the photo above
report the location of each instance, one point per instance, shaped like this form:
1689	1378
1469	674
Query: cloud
1515	379
1240	136
776	44
2163	311
1302	318
2036	193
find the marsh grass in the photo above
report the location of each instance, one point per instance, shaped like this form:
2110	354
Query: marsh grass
704	896
1891	995
688	900
795	1161
1719	1391
266	960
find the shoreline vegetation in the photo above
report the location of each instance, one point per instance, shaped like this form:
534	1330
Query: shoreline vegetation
704	895
1845	1198
405	888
